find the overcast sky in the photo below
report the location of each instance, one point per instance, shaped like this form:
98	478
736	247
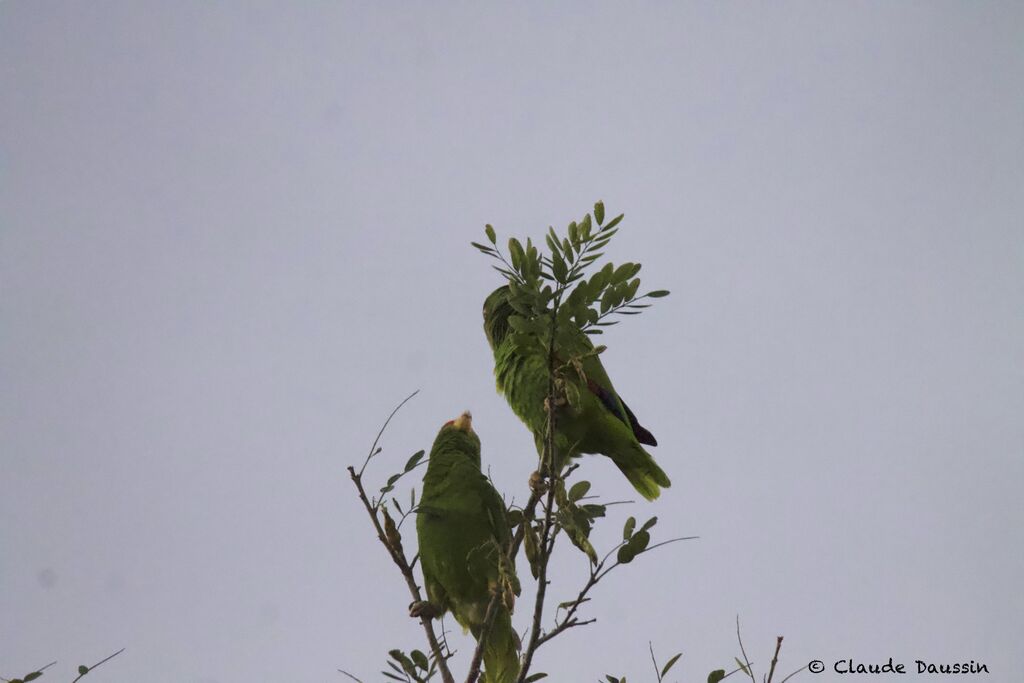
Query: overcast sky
234	235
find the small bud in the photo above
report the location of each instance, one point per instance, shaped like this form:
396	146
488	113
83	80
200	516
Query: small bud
391	532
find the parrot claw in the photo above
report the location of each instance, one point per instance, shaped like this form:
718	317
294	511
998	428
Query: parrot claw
559	402
537	484
422	609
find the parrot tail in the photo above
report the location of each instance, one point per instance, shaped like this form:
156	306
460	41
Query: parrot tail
501	654
643	473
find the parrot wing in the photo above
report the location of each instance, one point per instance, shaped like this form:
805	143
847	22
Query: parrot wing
600	385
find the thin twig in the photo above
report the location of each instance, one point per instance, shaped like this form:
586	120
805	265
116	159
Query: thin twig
42	668
793	674
732	672
102	661
342	671
657	672
597	572
485	632
373	448
775	658
746	660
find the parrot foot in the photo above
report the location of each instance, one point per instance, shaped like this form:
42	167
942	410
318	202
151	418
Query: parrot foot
423	609
537	483
559	402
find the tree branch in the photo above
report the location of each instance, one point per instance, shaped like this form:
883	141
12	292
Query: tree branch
485	632
398	557
89	669
775	658
547	539
746	660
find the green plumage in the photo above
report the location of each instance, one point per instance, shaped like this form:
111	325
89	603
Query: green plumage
464	538
596	419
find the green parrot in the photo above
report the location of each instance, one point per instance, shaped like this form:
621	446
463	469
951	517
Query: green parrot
598	422
464	539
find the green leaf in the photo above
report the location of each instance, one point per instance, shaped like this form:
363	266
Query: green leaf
649	523
627	530
639	541
613	222
386	489
414	460
599	212
742	666
611	679
506	272
515	250
574	233
558	268
393	478
625	554
578	490
489	229
631	289
33	676
420	659
668	665
552	244
394	677
716	675
535	677
657	294
82	669
484	248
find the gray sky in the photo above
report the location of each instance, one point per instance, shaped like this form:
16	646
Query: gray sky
233	236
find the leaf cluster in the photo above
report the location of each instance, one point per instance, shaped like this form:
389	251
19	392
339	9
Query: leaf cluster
415	667
565	281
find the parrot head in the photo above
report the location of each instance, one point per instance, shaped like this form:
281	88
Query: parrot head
458	435
463	422
496	312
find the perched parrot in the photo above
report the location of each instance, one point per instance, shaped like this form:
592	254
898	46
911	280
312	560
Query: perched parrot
598	422
464	540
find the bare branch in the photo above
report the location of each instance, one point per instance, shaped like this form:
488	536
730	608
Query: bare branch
657	672
102	661
746	660
373	448
398	557
485	632
793	674
775	658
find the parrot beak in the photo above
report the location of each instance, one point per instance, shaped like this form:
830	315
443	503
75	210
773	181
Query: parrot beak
464	422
